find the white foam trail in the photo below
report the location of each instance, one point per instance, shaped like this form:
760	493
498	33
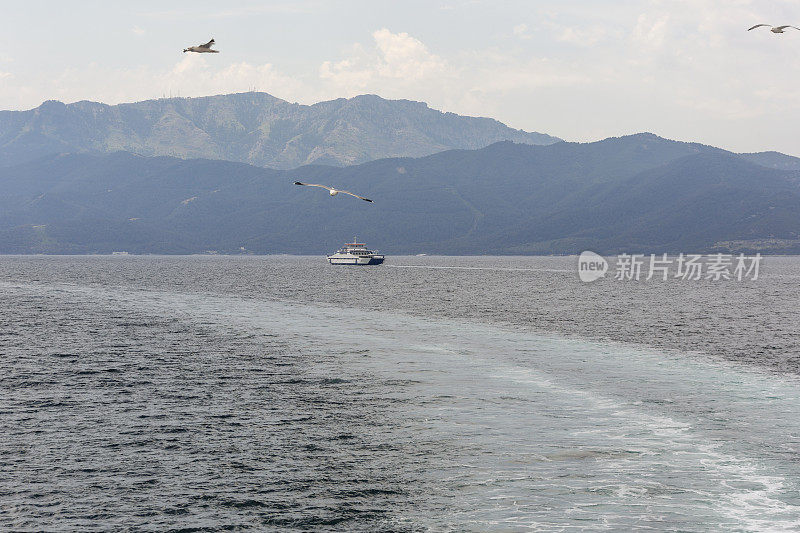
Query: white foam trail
521	402
492	269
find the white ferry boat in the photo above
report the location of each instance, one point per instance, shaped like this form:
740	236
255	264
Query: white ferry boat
355	253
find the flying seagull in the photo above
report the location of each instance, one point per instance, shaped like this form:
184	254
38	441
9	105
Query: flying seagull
773	29
331	190
202	48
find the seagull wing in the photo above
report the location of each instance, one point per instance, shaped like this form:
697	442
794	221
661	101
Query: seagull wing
788	26
209	44
757	26
314	185
357	196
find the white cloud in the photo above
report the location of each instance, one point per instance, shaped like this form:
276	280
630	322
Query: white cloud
499	73
237	11
570	28
405	56
521	31
196	75
583	36
650	31
722	108
396	57
193	75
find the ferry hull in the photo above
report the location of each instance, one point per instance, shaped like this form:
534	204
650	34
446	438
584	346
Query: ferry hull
361	261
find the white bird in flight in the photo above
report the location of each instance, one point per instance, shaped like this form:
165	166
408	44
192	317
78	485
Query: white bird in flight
331	190
202	48
773	29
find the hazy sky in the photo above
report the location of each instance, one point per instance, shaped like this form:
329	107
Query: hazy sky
579	69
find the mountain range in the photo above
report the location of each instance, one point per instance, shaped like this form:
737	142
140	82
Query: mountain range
253	128
636	194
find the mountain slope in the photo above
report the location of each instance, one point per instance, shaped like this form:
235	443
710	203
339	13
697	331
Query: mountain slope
637	194
254	128
693	203
773	160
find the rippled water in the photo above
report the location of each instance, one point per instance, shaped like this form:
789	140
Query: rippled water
442	394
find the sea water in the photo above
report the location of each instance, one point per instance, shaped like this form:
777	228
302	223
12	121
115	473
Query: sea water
426	394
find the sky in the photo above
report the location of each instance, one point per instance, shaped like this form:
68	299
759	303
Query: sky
581	70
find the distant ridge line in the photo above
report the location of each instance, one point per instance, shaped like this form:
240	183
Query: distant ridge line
251	127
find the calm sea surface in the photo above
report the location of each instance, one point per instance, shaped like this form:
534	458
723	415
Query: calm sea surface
426	394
